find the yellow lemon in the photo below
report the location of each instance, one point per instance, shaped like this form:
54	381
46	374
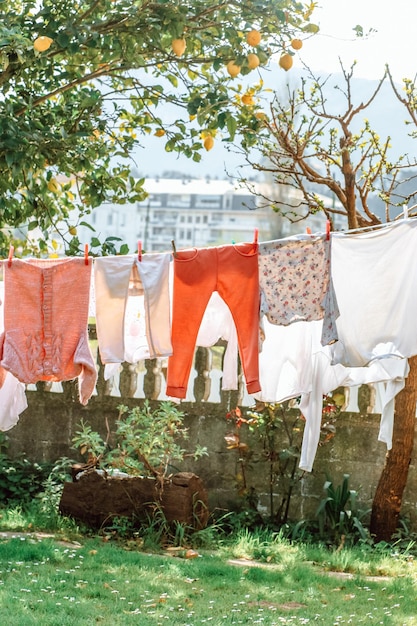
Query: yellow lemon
160	132
297	44
53	185
178	46
233	69
286	62
253	37
261	116
72	231
43	43
247	99
208	143
253	61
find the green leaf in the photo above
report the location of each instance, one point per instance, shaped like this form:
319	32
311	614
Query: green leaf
231	124
63	40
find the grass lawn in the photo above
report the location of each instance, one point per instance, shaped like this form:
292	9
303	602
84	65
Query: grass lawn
48	582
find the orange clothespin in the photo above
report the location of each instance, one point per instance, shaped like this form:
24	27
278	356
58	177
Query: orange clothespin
11	252
328	230
139	250
86	253
308	230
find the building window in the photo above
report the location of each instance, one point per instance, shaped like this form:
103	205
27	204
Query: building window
179	200
109	219
209	201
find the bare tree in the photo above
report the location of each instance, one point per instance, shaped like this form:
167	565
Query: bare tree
309	146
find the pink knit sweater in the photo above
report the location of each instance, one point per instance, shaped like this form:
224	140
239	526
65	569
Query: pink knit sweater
45	322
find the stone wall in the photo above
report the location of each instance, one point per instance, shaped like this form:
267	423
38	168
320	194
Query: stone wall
45	430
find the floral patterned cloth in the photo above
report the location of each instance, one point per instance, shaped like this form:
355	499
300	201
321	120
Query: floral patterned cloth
295	282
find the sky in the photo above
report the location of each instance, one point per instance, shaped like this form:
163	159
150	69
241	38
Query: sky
394	42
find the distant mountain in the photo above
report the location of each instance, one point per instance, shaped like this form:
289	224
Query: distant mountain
386	115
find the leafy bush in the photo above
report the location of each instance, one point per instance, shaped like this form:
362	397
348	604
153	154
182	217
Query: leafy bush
147	441
20	479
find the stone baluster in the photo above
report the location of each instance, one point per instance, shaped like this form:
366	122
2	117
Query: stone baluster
152	381
203	362
128	380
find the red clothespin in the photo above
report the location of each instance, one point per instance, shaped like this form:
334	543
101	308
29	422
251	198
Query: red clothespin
255	238
308	230
86	254
328	230
139	250
11	252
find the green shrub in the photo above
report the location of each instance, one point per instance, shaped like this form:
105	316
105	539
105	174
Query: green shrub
147	441
20	479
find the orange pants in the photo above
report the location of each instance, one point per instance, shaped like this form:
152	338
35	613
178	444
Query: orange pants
231	270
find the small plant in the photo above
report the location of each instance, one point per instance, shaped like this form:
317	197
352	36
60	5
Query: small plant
278	427
338	514
20	479
89	443
147	441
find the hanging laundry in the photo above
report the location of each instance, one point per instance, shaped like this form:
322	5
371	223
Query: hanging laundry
375	279
132	308
12	392
294	363
232	271
12	400
295	280
45	322
217	323
389	374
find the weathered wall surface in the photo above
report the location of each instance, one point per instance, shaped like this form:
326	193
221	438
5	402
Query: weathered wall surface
45	430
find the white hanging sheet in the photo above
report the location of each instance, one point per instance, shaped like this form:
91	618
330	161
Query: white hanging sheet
375	279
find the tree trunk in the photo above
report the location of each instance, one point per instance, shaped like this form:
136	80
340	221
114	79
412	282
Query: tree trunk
388	495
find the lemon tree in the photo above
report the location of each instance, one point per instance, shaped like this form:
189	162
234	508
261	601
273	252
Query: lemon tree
81	82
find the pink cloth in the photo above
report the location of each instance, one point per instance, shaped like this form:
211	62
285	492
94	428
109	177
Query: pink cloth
45	322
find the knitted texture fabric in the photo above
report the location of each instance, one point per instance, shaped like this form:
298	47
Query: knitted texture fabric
45	322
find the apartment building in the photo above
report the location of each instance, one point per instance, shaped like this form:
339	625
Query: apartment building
200	213
190	212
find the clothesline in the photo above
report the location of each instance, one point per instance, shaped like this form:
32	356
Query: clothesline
300	236
300	278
